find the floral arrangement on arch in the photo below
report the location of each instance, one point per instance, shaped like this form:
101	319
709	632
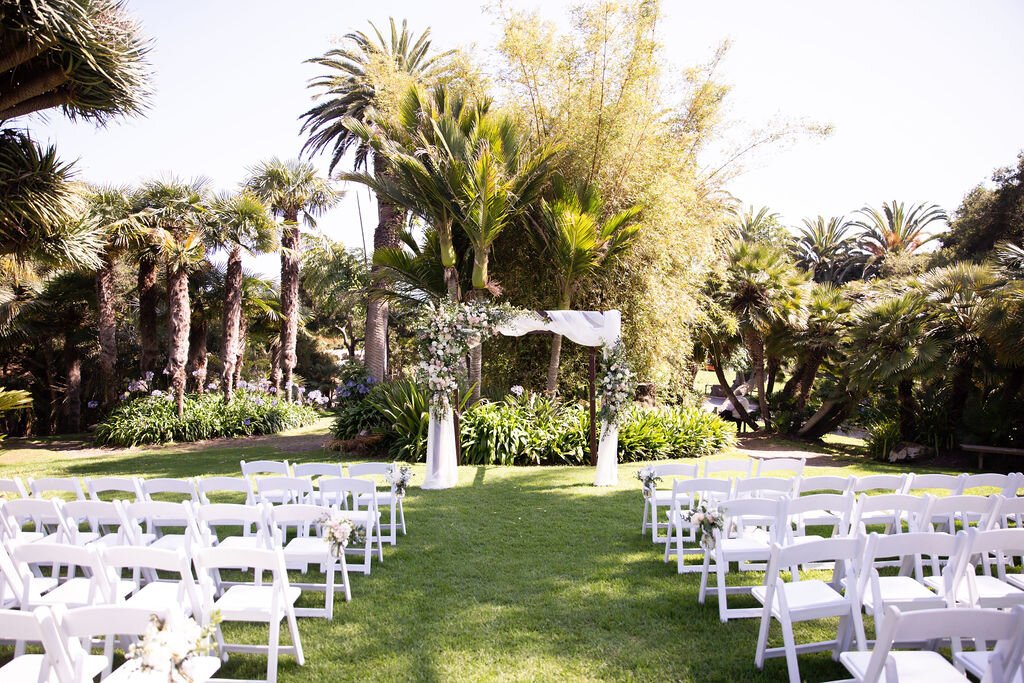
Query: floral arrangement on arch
446	334
169	643
617	384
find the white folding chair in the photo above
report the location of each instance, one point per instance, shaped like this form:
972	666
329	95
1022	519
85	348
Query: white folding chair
166	487
103	519
913	588
826	483
147	523
97	585
1003	484
687	495
123	488
818	509
662	498
762	487
43	514
252	471
809	599
943	513
792	467
885	663
12	488
986	591
284	490
74	630
152	591
1009	513
388	498
363	511
316	470
936	484
261	602
22	626
750	526
64	486
221	486
740	467
215	520
12	583
307	548
889	510
879	483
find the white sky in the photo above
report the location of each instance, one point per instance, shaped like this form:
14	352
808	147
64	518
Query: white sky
925	95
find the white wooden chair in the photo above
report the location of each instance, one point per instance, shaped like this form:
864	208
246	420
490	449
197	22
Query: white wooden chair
12	487
1001	591
363	511
750	527
1009	513
889	510
762	487
801	600
254	470
103	519
24	627
662	498
687	494
936	484
66	487
123	488
739	467
826	483
166	487
223	485
160	524
262	601
152	591
97	586
74	631
307	548
212	519
12	582
316	470
42	513
943	513
818	509
1005	484
913	588
879	483
792	467
284	490
387	498
885	663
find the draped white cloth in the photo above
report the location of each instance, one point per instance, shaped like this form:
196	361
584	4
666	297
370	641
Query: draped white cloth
586	328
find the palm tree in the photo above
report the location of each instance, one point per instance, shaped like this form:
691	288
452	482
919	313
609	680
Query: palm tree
178	212
756	225
334	281
891	343
112	209
896	229
824	247
415	271
579	246
89	58
261	312
818	339
358	73
761	287
292	190
240	222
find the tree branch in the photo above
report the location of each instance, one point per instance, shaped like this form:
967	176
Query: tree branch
44	83
47	101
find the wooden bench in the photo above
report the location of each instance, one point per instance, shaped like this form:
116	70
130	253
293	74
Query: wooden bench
991	450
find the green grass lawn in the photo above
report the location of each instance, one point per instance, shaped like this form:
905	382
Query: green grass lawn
515	574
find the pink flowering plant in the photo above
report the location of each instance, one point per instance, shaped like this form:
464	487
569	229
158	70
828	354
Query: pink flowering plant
338	531
706	520
617	384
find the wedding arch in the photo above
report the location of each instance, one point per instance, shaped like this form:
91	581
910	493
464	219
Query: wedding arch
452	331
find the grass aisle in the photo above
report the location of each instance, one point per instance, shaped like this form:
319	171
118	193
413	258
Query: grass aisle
516	574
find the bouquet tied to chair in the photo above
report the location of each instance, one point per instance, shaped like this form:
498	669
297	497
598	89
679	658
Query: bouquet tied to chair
706	520
169	644
339	531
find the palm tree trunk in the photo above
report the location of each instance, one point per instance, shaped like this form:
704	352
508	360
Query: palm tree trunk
808	371
197	351
148	301
553	363
180	314
716	359
774	362
389	222
755	347
243	338
959	391
907	409
106	322
289	301
73	393
232	319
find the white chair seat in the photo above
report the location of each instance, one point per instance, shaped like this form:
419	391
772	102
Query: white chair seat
306	546
976	662
239	603
26	667
165	542
817	518
199	670
808	595
387	497
912	666
247	542
901	591
995	593
75	592
361	517
1016	580
157	595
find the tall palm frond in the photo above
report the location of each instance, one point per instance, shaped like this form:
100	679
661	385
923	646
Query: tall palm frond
897	228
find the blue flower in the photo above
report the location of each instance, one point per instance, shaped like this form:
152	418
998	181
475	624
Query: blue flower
246	422
94	404
350	383
345	393
362	389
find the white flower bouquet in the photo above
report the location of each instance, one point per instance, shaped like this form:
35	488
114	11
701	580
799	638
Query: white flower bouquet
649	478
168	645
339	531
399	477
617	384
707	520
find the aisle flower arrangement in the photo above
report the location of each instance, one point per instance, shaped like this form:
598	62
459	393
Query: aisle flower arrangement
617	384
648	479
707	520
399	476
165	649
339	531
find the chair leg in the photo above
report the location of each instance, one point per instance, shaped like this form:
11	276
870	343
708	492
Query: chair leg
762	636
380	542
273	645
329	591
789	642
393	535
723	607
704	569
293	628
401	515
654	521
647	510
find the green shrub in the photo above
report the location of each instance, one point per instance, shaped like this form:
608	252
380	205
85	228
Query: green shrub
672	432
405	410
153	419
356	418
883	435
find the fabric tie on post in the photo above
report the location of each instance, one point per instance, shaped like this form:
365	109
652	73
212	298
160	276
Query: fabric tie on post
442	468
607	456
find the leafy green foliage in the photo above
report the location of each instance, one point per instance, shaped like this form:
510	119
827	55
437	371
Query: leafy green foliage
152	419
672	432
356	418
406	412
883	435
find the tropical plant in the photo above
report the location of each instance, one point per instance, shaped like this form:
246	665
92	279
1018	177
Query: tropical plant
406	412
818	340
826	249
896	229
292	190
334	280
362	76
579	245
757	225
177	211
239	222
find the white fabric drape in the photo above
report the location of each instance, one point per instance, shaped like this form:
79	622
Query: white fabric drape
586	328
442	465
